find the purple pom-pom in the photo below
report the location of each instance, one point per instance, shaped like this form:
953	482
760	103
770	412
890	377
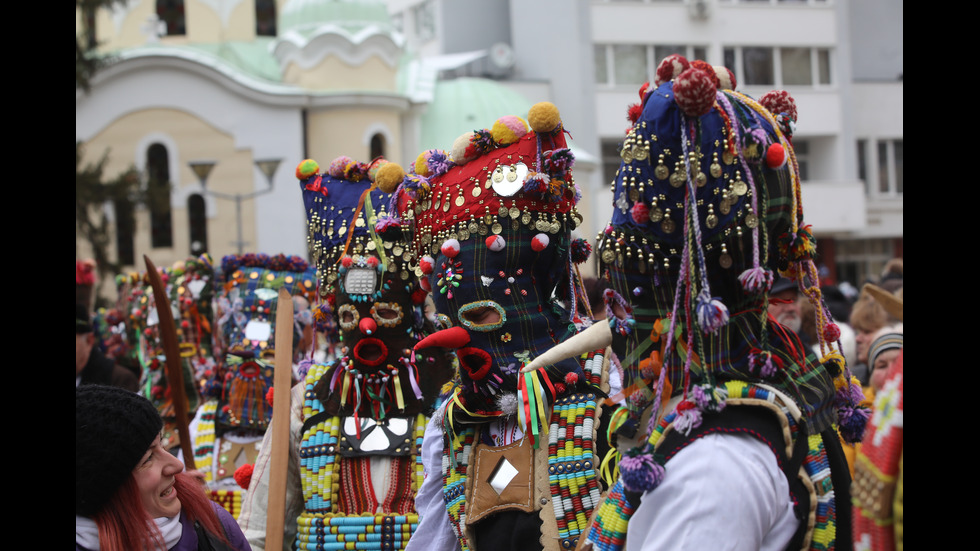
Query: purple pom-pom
537	183
756	280
304	368
852	421
640	472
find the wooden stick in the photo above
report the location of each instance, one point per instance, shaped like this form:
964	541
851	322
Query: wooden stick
175	368
279	464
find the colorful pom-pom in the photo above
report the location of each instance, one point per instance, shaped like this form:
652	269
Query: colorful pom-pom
427	264
779	101
540	242
495	243
711	312
338	166
243	475
671	66
450	248
831	332
580	250
640	212
537	183
726	78
306	168
756	280
389	176
708	70
640	472
544	117
688	417
509	129
776	156
694	92
375	166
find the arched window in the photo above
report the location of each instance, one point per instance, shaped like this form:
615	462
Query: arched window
265	17
377	146
158	196
125	231
197	219
171	12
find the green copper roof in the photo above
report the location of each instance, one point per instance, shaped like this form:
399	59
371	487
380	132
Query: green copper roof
253	58
466	104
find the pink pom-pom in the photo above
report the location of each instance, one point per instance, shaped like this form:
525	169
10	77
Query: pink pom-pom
540	242
640	212
338	166
831	333
694	92
427	264
495	243
779	101
508	130
450	248
243	475
670	67
776	156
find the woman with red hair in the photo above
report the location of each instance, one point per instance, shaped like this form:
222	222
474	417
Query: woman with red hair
130	492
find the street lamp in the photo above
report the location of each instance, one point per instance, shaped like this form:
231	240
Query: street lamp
202	169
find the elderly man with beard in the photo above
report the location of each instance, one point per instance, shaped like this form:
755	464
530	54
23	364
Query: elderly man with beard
356	423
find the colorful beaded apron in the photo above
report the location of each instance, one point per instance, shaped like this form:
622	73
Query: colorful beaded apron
340	502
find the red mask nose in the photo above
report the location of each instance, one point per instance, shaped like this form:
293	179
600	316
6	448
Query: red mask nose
367	326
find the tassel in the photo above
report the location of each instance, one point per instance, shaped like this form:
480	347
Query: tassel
756	280
399	400
712	313
688	417
761	362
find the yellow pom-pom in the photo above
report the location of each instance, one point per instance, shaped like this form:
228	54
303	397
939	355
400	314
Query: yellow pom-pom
544	117
508	130
389	176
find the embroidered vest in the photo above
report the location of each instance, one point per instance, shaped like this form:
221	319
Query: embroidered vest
559	483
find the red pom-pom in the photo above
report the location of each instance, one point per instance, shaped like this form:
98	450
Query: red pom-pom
559	389
268	397
694	92
425	284
332	301
571	378
243	475
418	296
831	333
346	262
776	156
779	101
708	70
640	213
450	248
427	264
670	67
372	261
634	112
540	242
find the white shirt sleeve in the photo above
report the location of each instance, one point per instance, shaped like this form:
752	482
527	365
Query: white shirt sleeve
720	492
252	517
434	531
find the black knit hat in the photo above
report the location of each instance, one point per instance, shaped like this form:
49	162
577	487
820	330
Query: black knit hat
113	429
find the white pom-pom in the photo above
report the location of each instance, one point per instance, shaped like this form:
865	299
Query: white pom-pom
450	248
540	242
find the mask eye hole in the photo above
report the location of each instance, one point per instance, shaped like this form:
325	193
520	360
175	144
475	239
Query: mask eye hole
387	314
484	315
348	317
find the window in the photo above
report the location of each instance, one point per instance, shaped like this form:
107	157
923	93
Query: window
171	12
860	260
158	196
802	150
265	17
634	64
881	166
766	66
197	219
377	146
610	159
125	231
